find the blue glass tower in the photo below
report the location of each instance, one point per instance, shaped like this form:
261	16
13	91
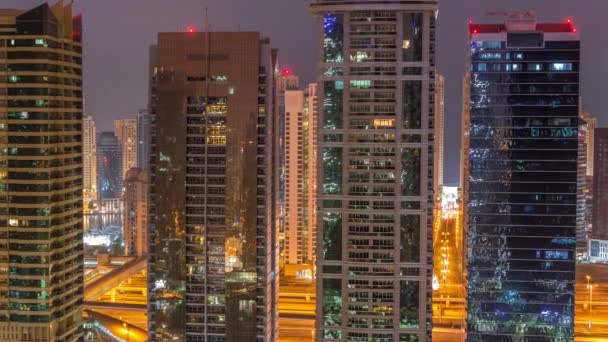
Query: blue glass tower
522	181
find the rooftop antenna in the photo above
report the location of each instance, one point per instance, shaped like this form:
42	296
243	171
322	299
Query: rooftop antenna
513	15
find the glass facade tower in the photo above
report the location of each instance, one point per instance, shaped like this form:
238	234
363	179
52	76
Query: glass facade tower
522	181
213	254
375	169
109	168
41	175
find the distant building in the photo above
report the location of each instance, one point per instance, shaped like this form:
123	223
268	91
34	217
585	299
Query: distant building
522	180
300	176
584	209
600	185
376	78
41	174
135	213
438	153
109	172
286	80
126	133
89	156
213	259
312	123
598	250
143	139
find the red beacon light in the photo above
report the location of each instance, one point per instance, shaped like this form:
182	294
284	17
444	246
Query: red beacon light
286	72
191	30
470	21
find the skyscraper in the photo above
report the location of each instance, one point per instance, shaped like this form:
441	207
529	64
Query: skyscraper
311	123
522	180
439	134
213	256
89	156
376	128
584	210
300	176
126	133
41	254
135	213
143	139
600	184
286	80
109	172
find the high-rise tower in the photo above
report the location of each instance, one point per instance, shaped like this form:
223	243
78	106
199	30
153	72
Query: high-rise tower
300	175
375	167
600	184
41	251
143	139
126	133
89	156
438	153
109	172
213	256
135	213
522	180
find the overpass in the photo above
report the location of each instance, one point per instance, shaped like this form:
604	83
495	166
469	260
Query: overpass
105	283
117	329
141	308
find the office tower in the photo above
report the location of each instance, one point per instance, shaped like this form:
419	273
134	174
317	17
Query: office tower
126	133
143	139
299	179
376	128
41	254
439	133
89	157
600	184
109	172
135	214
213	257
524	94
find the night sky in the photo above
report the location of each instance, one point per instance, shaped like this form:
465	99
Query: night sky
118	33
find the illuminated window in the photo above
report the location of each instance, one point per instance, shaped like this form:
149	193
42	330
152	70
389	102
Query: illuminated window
13	78
561	66
231	90
384	123
40	42
359	56
361	84
407	43
13	222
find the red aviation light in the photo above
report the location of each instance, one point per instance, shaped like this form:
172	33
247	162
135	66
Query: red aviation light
191	30
286	72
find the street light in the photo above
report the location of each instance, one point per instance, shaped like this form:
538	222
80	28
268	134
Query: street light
126	327
590	287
